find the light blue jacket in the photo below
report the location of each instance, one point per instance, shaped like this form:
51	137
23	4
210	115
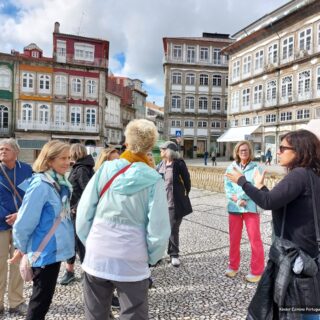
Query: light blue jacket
128	228
232	188
40	208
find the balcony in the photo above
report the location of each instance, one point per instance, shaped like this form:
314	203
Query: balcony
51	126
4	131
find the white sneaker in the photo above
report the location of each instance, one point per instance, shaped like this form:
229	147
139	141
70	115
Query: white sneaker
175	261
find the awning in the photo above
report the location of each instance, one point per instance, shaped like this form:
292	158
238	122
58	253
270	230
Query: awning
314	126
57	136
238	134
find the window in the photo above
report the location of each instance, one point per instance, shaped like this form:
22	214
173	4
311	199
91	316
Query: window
256	120
271	118
91	117
305	39
246	65
60	85
204	54
26	113
4	117
176	102
287	48
176	78
236	70
271	91
234	123
202	124
92	88
191	54
27	81
216	124
189	104
177	52
317	113
61	51
246	97
318	79
75	116
59	115
304	83
258	60
189	124
257	94
44	83
227	82
203	104
76	86
43	114
235	100
84	52
176	123
34	54
286	116
216	56
216	80
273	54
245	121
5	79
303	114
190	79
286	87
216	104
204	79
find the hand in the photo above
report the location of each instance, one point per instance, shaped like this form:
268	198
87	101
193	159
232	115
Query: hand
234	198
258	178
11	218
234	176
242	203
17	255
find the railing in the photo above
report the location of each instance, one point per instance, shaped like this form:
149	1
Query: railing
212	179
49	126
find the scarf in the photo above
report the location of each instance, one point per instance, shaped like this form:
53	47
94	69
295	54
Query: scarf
64	188
135	157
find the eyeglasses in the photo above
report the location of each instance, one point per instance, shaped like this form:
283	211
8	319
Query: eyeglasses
284	148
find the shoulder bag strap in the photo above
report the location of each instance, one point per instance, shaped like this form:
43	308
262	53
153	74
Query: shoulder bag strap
108	184
11	184
315	216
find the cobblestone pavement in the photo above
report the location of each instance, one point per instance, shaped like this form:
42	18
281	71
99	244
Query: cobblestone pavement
198	289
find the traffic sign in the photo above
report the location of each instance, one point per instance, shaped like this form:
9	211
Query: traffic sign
178	133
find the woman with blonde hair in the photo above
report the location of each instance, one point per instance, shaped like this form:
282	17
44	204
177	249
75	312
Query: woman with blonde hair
123	221
107	154
46	207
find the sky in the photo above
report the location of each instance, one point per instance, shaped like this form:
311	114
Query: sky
134	28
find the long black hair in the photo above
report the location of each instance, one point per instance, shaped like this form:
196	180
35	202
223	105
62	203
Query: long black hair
307	148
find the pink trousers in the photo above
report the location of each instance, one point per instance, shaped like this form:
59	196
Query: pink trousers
252	221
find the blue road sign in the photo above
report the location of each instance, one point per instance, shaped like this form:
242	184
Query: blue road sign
178	133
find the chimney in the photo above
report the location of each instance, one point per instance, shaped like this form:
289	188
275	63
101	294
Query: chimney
56	27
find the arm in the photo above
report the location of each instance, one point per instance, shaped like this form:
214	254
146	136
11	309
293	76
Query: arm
84	177
288	189
158	225
29	214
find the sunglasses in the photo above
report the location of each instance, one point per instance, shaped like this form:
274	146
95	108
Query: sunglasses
284	148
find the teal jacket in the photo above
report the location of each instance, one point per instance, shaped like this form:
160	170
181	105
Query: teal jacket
232	188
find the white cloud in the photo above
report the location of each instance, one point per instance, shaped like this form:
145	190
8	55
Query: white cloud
133	27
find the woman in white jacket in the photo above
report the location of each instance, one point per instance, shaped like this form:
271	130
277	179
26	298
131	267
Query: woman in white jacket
125	230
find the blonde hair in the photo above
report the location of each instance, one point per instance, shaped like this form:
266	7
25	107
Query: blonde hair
77	151
104	156
237	147
50	151
141	135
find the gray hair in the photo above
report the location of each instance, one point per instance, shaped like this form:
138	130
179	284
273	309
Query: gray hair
172	154
12	143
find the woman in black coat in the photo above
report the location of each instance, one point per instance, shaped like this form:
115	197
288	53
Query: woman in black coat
178	185
81	173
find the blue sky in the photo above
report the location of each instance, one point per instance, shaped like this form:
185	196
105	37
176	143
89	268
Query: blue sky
134	28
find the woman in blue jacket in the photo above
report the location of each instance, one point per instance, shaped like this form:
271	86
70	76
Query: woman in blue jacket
242	209
47	197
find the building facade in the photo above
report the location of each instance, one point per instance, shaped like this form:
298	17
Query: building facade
274	73
196	82
155	113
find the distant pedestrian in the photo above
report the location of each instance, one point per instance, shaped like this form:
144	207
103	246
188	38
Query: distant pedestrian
12	174
213	158
45	204
177	181
106	154
206	155
243	210
268	157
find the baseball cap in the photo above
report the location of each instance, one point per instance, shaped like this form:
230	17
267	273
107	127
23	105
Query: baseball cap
169	145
